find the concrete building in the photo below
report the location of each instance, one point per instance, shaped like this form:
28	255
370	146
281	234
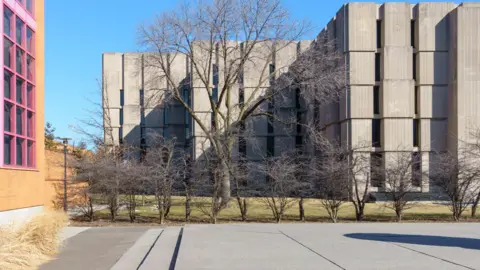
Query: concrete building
22	160
413	77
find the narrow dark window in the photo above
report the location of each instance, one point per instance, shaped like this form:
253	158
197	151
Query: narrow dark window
242	143
270	146
412	33
270	124
376	100
414	66
120	135
121	116
122	98
379	33
376	131
376	174
141	98
298	141
215	94
297	98
299	122
241	96
377	67
416	132
416	169
416	99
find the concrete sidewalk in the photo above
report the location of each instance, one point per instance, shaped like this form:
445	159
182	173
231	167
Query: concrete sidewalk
272	246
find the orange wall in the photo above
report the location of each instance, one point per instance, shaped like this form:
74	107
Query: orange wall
25	188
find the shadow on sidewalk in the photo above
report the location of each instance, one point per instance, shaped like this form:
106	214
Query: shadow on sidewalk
427	240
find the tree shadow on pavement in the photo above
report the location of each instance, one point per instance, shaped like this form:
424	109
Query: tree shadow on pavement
427	240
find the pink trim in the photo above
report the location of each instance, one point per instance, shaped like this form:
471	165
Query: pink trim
21	11
2	104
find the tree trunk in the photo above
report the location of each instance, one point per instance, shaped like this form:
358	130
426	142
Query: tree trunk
225	190
188	208
279	217
167	204
301	209
242	205
475	205
359	213
161	215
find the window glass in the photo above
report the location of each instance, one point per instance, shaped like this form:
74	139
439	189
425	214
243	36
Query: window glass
7	52
30	124
29	5
19	31
7	150
376	100
377	67
19	151
7	84
19	91
19	62
376	142
19	121
7	116
7	21
30	68
30	96
29	40
30	153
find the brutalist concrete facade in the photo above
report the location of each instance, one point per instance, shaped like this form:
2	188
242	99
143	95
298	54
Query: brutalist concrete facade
413	86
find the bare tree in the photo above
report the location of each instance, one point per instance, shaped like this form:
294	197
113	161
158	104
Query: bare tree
403	175
231	45
458	175
473	149
281	183
132	182
166	167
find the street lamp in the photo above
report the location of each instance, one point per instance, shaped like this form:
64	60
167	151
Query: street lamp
65	144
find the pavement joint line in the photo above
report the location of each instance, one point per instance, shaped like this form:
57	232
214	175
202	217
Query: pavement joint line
173	262
429	255
300	243
150	249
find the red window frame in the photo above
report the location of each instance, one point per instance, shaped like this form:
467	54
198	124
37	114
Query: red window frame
27	102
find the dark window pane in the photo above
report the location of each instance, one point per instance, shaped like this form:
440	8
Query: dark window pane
298	141
7	150
7	116
19	152
376	100
270	146
379	33
215	75
297	98
19	31
416	169
30	124
30	68
20	58
377	67
412	33
7	20
416	100
7	84
416	131
376	142
121	116
215	94
122	98
120	135
30	40
7	52
30	96
241	96
30	154
141	98
19	91
29	5
376	173
270	124
272	68
19	123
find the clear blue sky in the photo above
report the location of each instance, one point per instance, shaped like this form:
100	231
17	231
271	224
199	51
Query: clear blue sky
77	32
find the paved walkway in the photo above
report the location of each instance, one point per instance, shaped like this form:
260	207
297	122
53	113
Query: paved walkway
272	246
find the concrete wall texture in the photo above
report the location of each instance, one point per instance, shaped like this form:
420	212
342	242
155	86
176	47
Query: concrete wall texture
414	76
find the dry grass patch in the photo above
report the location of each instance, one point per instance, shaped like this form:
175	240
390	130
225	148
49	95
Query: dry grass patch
33	243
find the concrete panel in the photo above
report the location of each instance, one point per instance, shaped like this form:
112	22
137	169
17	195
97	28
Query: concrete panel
114	118
283	144
361	103
178	68
397	63
152	135
340	25
361	133
252	94
132	78
256	70
202	144
286	53
19	216
397	133
111	137
362	67
396	98
433	135
285	123
433	101
303	45
131	134
432	68
432	25
112	78
201	65
332	132
396	24
131	115
258	125
176	115
154	117
362	26
201	100
205	119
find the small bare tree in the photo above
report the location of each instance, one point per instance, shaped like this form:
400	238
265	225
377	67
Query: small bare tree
458	176
280	184
403	175
166	166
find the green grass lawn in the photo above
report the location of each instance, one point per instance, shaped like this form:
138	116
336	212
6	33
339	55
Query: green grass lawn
258	212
